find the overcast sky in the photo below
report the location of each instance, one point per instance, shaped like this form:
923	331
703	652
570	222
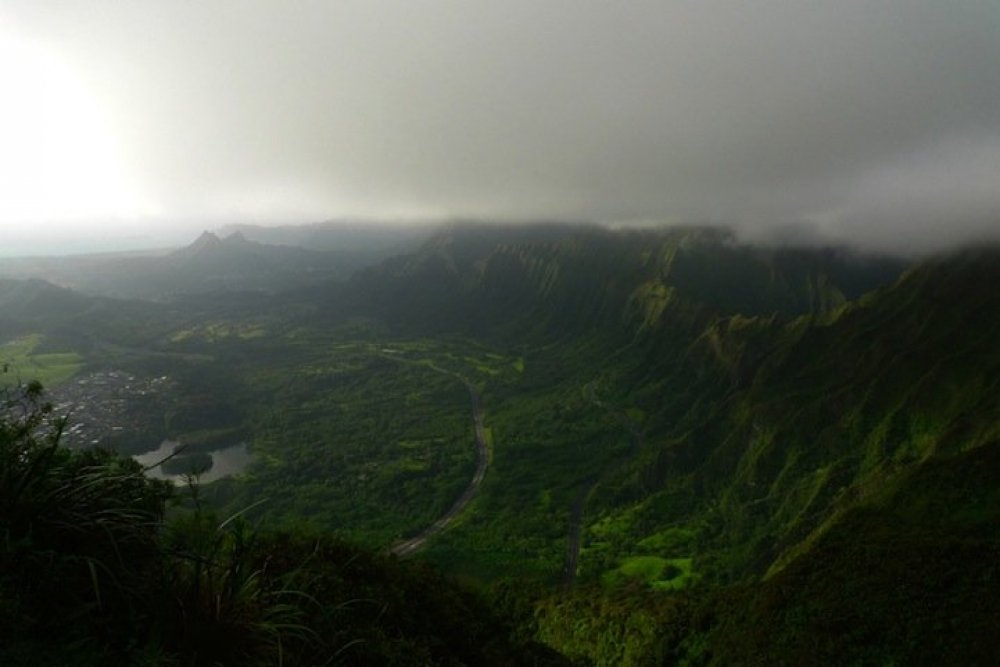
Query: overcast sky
878	122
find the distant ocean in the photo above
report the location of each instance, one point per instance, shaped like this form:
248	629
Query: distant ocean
56	247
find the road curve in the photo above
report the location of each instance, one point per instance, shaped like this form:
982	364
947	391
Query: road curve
407	547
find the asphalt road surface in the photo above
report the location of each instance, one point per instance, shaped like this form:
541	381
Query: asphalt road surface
413	544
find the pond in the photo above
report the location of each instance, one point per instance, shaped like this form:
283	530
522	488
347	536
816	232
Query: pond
224	462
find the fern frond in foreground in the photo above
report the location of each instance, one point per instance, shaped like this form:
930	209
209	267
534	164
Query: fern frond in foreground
91	573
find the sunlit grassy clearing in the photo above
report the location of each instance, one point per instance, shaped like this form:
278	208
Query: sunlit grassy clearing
218	331
660	573
50	369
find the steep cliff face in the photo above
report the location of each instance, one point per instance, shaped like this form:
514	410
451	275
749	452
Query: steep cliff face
572	279
789	424
776	387
831	476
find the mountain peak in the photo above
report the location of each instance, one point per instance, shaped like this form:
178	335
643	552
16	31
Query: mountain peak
236	238
208	242
207	236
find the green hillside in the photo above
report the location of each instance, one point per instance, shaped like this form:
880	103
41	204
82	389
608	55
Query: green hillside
840	474
699	451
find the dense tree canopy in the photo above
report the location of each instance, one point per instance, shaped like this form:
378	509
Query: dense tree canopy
91	573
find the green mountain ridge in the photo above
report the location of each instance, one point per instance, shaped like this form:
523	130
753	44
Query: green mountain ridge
584	276
798	419
211	264
749	455
844	477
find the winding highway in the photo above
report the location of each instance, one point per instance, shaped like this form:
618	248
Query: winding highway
407	547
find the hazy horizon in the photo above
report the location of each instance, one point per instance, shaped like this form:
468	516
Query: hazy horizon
139	125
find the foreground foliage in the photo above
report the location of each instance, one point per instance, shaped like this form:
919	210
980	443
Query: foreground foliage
91	573
718	454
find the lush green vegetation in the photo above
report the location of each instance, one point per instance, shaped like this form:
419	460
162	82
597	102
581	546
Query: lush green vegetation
375	447
91	573
23	357
698	451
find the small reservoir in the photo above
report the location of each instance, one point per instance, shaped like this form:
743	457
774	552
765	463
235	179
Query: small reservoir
208	466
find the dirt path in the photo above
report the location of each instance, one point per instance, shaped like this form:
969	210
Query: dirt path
407	547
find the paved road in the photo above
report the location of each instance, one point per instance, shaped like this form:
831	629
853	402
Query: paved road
407	547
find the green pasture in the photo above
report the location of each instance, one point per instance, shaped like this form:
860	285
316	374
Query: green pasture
26	365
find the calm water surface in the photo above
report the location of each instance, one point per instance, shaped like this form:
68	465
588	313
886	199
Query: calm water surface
225	462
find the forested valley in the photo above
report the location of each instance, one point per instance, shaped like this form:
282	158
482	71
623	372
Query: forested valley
534	444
